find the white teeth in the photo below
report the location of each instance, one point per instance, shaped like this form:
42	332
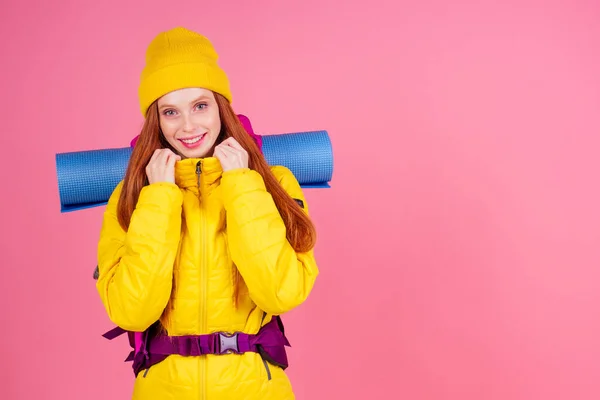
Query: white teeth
191	141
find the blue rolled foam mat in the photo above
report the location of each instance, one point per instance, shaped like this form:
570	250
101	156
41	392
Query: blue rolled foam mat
87	178
307	154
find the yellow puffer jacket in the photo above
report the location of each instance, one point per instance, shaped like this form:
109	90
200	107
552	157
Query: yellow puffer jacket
176	263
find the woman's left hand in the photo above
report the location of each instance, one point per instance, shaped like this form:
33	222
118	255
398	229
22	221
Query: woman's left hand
231	155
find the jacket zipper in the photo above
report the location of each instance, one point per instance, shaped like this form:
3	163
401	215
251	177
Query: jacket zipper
202	280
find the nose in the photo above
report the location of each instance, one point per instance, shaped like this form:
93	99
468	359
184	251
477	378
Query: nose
188	126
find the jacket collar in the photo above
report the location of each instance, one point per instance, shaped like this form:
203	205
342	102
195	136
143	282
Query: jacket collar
186	172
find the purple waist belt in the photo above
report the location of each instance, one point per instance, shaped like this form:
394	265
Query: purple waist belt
269	342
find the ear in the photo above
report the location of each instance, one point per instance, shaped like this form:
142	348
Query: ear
248	127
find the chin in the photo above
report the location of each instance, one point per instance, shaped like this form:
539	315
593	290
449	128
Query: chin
193	154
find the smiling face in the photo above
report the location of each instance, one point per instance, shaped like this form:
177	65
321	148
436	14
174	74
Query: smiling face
190	121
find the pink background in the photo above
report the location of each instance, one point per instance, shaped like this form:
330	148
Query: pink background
458	245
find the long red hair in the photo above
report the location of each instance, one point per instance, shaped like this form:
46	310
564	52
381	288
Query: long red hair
300	231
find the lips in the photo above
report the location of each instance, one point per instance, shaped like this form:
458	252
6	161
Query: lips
193	141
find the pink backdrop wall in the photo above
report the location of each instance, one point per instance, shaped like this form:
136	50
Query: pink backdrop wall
458	245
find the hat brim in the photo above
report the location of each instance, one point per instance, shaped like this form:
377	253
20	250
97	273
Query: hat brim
182	76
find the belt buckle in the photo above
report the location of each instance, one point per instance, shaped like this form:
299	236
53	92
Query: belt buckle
227	343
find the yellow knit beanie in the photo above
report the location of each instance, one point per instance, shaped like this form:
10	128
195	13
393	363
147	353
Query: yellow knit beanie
177	59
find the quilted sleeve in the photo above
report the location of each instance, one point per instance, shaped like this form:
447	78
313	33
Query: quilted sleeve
136	267
278	278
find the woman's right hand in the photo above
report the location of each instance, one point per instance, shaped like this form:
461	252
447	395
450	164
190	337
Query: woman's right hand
161	167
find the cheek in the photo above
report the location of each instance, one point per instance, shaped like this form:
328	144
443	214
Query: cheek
217	127
168	129
216	123
208	121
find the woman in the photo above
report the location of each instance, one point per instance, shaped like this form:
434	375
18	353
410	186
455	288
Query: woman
203	245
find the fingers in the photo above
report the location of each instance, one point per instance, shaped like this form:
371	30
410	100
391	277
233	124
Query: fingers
218	152
230	141
231	144
161	159
172	159
154	155
162	156
228	151
231	155
161	167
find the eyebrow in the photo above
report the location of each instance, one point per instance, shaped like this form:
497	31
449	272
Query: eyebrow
203	97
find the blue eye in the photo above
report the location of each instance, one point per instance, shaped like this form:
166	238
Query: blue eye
201	106
169	113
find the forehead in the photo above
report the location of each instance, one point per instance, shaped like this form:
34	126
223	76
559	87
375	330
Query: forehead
185	96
